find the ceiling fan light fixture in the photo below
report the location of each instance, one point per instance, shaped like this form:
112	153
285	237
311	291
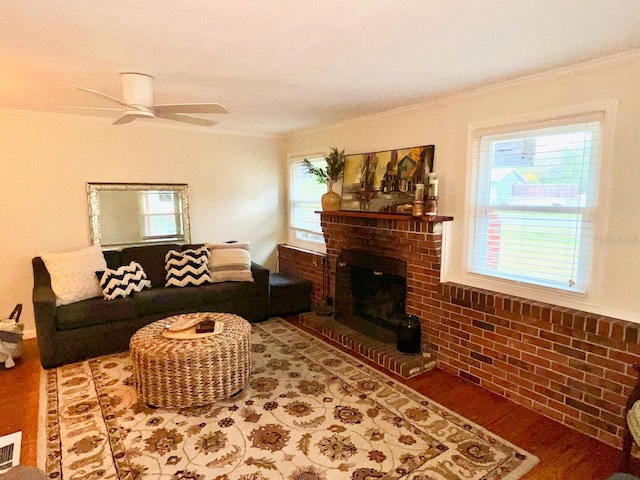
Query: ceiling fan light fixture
137	100
137	88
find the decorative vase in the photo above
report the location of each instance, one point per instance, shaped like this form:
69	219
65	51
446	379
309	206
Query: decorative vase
330	200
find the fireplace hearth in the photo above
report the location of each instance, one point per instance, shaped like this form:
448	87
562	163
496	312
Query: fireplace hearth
370	294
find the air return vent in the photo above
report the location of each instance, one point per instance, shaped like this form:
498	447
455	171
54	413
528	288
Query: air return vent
10	451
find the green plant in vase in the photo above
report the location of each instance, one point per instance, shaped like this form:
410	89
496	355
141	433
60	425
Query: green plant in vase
328	175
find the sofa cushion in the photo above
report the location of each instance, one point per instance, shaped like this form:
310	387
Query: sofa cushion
151	257
224	291
73	273
123	281
230	262
189	267
94	311
161	300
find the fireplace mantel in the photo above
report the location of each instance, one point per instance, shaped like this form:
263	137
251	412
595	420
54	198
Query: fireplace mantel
386	221
387	216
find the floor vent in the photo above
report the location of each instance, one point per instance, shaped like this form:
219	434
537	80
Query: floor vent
10	451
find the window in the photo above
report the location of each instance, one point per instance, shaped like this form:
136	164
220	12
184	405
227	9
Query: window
534	202
304	200
161	216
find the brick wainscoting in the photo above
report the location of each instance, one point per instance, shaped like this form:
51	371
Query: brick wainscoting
569	365
305	263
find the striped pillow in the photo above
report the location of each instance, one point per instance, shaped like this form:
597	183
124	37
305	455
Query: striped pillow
230	262
187	268
123	281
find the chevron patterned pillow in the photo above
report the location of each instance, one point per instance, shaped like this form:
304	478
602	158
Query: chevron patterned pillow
123	281
190	267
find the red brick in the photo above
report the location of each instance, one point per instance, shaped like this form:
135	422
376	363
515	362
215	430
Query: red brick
537	341
548	412
569	332
623	357
582	427
586	367
615	440
605	384
553	356
518	380
598	402
547	392
493	387
552	376
615	398
603	362
589	347
570	372
584	387
536	397
598	423
536	360
620	378
523	346
554	337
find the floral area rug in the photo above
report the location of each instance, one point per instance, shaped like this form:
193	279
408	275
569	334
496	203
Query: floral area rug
309	412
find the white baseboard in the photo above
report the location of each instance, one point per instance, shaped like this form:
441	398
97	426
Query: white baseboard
31	333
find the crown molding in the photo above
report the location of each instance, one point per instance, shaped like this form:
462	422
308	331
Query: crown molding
598	63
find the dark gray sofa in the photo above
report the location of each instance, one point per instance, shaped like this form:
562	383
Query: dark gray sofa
96	326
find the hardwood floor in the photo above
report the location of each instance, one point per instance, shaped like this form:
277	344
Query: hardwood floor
19	395
563	453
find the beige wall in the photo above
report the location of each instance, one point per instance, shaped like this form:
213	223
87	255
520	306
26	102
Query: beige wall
445	124
235	186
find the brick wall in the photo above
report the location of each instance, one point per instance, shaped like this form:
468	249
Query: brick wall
305	263
569	365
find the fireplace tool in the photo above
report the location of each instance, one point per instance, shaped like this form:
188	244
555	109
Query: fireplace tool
324	307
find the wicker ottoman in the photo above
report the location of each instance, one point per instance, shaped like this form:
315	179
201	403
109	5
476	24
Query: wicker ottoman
179	373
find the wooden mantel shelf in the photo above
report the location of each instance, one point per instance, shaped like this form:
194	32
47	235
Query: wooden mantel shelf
386	216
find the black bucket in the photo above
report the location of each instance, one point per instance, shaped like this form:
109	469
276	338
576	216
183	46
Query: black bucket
409	335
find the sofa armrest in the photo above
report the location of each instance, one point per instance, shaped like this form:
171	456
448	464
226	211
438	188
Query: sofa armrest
44	311
261	277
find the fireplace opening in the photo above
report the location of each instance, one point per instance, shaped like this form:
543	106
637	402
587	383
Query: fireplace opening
371	292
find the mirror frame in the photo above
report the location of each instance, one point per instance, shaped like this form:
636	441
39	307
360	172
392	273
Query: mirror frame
94	208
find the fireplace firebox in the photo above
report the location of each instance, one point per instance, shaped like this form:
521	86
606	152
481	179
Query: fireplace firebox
371	293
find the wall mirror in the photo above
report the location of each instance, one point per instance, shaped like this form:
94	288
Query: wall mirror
127	214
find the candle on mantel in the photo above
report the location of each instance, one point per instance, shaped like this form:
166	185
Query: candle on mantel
419	192
433	188
433	185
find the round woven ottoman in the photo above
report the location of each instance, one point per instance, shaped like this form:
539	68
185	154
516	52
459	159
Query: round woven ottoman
179	373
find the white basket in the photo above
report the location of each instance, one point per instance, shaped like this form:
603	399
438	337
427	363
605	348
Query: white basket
11	345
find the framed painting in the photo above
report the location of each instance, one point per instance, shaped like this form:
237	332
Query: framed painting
385	182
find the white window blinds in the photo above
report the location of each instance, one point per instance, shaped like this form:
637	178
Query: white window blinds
304	200
534	194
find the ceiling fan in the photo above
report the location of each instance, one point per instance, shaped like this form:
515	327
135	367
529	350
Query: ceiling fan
137	100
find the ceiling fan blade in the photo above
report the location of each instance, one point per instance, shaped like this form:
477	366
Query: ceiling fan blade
109	97
126	118
190	108
97	109
203	122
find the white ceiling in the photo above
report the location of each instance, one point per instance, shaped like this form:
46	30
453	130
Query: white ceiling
285	65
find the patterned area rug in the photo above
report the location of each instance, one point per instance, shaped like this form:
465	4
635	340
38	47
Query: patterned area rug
309	412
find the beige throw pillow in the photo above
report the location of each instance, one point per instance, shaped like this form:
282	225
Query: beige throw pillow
230	262
73	274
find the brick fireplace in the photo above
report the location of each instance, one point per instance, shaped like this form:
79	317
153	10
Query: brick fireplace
417	243
572	366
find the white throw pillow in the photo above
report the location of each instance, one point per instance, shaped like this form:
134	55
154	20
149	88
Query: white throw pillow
230	262
73	274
